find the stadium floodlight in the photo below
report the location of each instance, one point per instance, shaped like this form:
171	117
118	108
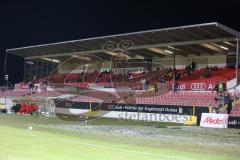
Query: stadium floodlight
171	47
220	46
157	50
80	57
212	47
229	43
225	48
51	60
111	53
29	62
168	51
6	77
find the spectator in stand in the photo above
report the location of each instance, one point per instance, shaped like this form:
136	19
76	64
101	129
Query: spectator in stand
207	74
220	88
162	79
34	79
147	83
224	86
155	88
178	76
216	87
175	86
97	79
31	86
169	70
188	70
143	81
16	108
228	101
129	77
193	66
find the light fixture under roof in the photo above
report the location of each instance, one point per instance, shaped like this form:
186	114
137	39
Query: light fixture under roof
80	57
29	62
229	43
171	47
51	60
220	46
168	51
157	50
111	53
225	48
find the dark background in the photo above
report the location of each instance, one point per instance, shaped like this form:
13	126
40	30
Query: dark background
25	23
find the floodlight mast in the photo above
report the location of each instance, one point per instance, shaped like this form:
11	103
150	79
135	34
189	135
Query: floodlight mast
174	72
5	70
237	61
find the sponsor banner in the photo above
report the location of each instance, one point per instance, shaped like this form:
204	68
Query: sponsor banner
196	86
127	70
6	104
163	109
168	109
3	111
2	106
152	117
17	85
234	122
213	120
24	86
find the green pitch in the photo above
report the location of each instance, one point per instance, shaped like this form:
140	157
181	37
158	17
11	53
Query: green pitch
17	142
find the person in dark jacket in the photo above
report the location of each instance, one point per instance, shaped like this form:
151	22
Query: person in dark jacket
216	87
229	106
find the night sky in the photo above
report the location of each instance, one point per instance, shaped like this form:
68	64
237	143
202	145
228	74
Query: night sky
25	23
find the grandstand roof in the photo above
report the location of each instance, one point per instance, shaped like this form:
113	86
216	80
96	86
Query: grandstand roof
208	38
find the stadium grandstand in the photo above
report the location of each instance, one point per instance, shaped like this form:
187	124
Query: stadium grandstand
193	67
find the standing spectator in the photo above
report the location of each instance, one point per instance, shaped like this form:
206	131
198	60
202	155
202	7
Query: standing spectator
143	81
216	87
229	102
156	88
224	86
193	65
220	88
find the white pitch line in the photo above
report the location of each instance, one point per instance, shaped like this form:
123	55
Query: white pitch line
101	146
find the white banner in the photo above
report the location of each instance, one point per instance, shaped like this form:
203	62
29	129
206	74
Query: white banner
130	70
213	120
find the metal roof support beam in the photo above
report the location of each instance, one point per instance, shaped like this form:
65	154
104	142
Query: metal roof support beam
184	43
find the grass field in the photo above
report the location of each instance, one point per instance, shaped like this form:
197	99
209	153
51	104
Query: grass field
45	142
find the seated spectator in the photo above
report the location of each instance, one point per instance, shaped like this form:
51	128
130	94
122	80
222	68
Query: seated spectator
162	79
178	76
155	88
16	108
146	85
129	77
143	80
206	74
